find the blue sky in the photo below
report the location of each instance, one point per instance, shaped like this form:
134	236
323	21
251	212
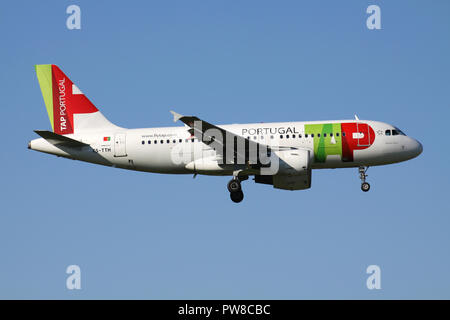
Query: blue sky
147	236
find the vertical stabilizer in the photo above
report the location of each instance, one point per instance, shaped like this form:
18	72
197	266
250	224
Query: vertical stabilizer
69	110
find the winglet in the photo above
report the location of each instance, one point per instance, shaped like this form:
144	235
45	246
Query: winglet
356	118
176	116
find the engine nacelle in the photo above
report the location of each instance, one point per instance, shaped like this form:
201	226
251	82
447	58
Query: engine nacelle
294	172
299	182
292	162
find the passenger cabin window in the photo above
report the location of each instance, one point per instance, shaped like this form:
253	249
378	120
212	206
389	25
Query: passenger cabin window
149	142
388	132
306	135
281	136
312	135
287	136
162	141
337	134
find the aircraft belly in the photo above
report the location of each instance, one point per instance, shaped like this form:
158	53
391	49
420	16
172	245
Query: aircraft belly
158	160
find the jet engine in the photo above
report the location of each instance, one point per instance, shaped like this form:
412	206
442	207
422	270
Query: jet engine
294	171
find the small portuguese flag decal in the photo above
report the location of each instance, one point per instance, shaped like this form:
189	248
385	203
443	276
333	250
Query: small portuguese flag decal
106	138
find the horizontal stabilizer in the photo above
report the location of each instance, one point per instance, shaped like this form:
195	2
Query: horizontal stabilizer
59	140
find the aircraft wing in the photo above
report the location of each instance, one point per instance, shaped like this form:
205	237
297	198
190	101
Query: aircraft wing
60	140
222	140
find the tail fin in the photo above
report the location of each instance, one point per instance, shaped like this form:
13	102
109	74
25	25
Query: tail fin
69	110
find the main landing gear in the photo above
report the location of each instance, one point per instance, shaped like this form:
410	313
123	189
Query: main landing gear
365	186
235	188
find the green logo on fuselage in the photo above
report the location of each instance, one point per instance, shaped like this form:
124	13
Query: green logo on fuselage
327	140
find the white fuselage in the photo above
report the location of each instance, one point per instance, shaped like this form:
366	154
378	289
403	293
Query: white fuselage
173	150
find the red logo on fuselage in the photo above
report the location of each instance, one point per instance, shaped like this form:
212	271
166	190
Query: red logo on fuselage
356	136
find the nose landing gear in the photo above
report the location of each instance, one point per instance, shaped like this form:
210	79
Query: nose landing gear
365	186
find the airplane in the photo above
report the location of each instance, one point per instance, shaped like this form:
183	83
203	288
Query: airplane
280	154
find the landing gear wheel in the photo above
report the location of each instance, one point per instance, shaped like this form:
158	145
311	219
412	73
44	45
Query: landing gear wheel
237	196
365	186
363	175
234	186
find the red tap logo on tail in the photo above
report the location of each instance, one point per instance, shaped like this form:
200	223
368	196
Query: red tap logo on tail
62	98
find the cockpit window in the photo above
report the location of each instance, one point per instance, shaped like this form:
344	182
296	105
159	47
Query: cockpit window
399	132
394	132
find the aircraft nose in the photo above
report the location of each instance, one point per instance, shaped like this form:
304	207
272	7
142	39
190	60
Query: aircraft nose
420	148
416	147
